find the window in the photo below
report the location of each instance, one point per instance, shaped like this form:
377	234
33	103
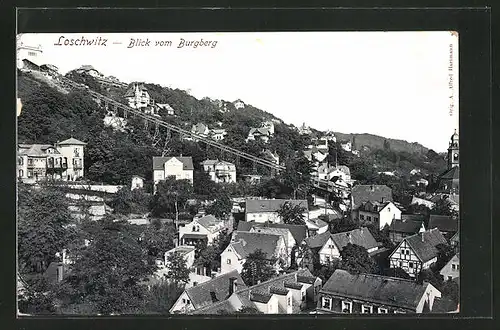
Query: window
183	300
362	217
327	259
327	303
187	301
411	264
382	310
195	283
289	301
369	218
346	307
366	309
450	278
30	174
21	161
453	267
228	261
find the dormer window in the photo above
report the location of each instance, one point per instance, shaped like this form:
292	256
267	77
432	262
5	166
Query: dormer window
346	307
366	309
326	303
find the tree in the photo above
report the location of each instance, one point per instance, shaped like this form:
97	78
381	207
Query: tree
37	297
451	290
162	296
106	275
209	256
126	201
397	272
156	241
292	214
257	268
355	259
429	276
326	271
204	187
343	225
171	194
444	254
442	207
43	219
221	207
248	310
177	270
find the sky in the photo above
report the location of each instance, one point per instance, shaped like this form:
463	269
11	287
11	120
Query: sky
393	84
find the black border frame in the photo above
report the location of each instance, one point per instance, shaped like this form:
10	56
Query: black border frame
474	28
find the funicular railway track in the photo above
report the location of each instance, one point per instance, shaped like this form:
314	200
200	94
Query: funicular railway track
126	110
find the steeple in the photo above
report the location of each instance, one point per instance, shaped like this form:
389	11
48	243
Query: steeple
453	151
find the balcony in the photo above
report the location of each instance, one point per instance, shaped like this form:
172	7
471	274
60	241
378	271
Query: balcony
222	172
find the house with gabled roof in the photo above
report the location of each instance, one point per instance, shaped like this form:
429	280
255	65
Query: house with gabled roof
417	252
262	133
286	294
167	107
451	270
266	210
327	246
137	96
447	224
299	232
179	167
220	171
208	293
218	134
63	161
244	243
316	226
369	193
377	213
206	228
406	226
346	293
239	104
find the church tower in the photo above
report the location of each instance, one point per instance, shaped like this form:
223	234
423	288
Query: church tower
453	151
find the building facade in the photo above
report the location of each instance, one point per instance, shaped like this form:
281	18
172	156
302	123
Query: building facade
62	161
346	293
181	168
220	171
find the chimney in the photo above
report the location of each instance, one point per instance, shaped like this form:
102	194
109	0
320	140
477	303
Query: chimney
349	237
233	285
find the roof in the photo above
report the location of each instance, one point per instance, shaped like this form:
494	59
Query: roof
247	296
316	222
443	305
72	141
413	217
425	248
452	173
209	221
87	68
194	236
365	193
361	237
271	205
306	279
407	227
259	131
202	296
375	288
35	149
182	249
212	162
444	223
260	297
245	243
199	128
159	162
298	232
